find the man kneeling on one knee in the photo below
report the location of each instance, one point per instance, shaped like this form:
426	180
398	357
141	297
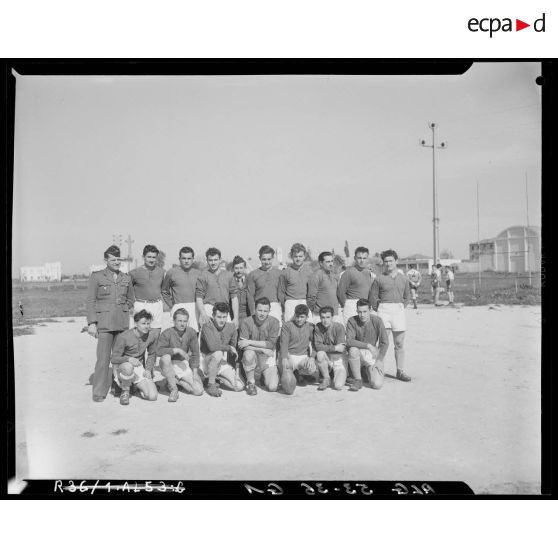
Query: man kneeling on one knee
128	355
258	339
368	342
329	343
296	338
218	340
179	351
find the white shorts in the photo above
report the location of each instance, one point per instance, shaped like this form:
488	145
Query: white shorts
224	368
336	317
154	308
275	311
190	307
263	361
336	360
136	376
182	370
290	308
367	358
393	315
303	363
349	310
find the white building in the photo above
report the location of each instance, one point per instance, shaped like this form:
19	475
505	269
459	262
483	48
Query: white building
51	271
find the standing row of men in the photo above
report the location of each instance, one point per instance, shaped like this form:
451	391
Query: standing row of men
223	301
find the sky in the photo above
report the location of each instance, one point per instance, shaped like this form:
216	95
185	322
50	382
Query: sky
240	161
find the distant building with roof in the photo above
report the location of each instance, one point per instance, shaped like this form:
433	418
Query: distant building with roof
516	249
48	272
424	263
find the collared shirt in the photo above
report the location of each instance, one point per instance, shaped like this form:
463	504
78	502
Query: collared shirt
372	332
147	282
389	288
129	344
322	291
179	286
293	283
354	284
171	339
216	287
254	330
296	340
242	296
213	339
109	298
326	339
262	283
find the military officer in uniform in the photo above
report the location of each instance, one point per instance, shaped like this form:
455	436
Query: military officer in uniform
109	299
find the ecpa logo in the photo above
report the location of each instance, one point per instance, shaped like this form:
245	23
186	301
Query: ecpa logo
494	24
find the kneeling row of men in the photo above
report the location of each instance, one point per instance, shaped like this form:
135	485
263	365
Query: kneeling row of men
304	350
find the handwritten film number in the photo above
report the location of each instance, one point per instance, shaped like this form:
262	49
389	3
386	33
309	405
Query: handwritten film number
275	490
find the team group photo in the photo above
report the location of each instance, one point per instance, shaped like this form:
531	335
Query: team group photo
227	276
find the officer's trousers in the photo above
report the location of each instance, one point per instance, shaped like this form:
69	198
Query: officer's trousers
102	378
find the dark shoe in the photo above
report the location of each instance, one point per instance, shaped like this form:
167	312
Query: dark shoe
356	385
173	395
349	381
98	398
402	376
125	398
213	390
324	384
251	389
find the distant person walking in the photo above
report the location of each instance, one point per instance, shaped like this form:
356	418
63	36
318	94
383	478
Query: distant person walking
435	281
415	278
450	278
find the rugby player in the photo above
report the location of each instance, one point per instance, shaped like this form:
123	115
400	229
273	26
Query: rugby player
367	342
322	289
264	282
179	286
435	281
293	282
296	338
179	353
450	277
257	340
239	274
389	296
147	281
128	355
330	345
218	340
415	278
215	285
354	284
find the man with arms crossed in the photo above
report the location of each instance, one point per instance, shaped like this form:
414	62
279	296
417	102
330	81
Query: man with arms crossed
264	282
239	274
258	339
129	357
329	343
296	338
109	299
354	284
389	295
368	342
215	285
179	286
179	351
414	282
217	340
293	282
322	289
147	281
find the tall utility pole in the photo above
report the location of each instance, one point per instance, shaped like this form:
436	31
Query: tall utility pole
435	219
527	232
478	233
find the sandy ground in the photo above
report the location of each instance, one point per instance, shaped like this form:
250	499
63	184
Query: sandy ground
471	413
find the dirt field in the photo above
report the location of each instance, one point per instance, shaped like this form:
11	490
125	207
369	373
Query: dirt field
471	413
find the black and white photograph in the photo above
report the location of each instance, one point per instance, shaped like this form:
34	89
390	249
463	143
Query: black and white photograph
254	276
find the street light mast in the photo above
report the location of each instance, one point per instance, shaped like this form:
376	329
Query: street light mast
435	218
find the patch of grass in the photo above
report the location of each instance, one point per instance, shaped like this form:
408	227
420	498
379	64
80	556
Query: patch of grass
88	434
25	330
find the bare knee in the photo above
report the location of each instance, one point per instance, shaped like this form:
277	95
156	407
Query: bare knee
249	358
354	352
321	357
166	360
